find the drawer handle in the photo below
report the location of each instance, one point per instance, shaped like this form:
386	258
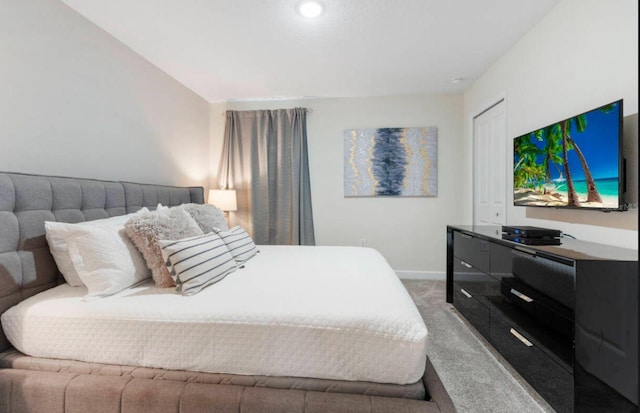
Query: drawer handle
465	264
521	296
521	338
463	291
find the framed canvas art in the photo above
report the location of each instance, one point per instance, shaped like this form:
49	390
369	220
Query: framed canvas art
391	162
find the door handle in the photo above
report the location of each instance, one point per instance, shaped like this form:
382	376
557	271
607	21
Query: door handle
465	264
463	291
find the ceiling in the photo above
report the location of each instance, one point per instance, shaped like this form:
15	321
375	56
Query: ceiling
234	50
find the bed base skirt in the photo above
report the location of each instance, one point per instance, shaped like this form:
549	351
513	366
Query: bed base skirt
17	360
23	390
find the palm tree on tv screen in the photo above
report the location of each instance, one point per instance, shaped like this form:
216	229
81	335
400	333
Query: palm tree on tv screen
551	149
527	173
571	190
580	122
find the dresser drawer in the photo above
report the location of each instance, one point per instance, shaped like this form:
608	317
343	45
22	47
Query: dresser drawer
528	303
549	378
472	309
472	250
474	281
501	261
552	279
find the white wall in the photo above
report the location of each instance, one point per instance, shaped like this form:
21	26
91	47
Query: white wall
409	232
583	54
74	101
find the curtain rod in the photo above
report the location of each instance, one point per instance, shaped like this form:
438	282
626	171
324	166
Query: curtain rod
309	110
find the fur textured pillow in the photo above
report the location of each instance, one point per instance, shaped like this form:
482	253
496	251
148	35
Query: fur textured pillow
210	218
145	230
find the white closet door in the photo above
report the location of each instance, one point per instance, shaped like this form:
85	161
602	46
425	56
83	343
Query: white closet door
490	166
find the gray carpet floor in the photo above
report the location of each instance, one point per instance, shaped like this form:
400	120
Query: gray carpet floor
477	378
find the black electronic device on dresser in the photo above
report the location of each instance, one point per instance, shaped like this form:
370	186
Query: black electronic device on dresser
565	316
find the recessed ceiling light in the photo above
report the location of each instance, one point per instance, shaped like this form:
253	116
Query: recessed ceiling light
310	9
456	80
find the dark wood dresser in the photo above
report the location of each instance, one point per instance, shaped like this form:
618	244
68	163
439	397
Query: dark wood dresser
565	316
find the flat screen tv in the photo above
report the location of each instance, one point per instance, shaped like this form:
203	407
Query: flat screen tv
574	163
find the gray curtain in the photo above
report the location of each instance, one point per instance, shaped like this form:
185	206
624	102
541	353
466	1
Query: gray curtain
265	160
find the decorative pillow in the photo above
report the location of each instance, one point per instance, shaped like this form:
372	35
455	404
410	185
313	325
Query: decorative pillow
106	261
240	244
197	262
208	217
57	234
145	230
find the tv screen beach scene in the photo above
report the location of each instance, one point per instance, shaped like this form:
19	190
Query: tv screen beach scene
573	163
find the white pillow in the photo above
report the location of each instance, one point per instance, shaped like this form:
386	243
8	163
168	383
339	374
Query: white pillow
58	232
197	262
106	261
239	243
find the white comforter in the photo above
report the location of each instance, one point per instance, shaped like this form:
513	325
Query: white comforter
326	312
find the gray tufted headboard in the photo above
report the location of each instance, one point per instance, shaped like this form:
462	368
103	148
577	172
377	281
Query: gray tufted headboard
26	201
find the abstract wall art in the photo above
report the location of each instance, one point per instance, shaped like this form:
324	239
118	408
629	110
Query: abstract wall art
391	162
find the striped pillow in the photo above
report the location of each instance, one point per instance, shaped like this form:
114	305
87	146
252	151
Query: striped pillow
240	244
197	262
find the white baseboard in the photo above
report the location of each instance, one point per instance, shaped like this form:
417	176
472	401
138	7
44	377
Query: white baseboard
421	275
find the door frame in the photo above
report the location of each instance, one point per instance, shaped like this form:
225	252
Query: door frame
480	109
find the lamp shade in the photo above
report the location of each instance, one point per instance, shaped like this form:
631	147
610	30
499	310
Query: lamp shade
225	199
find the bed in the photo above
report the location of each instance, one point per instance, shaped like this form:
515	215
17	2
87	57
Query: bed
281	344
